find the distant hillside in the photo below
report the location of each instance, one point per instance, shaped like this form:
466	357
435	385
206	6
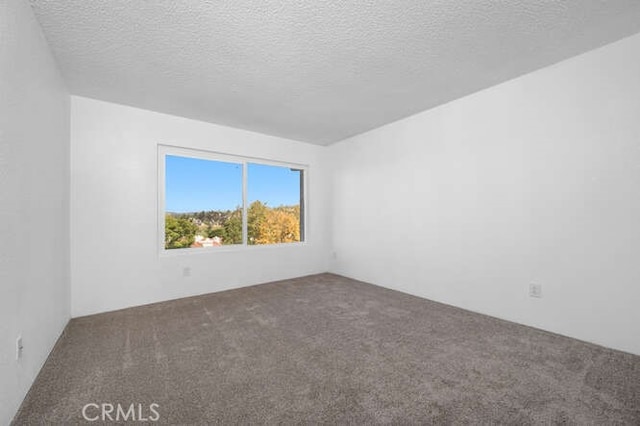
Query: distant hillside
214	218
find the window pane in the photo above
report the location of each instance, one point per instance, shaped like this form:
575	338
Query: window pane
203	203
275	204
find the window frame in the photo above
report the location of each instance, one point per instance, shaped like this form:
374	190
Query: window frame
244	161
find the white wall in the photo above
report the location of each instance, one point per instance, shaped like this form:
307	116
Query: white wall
34	202
537	179
115	259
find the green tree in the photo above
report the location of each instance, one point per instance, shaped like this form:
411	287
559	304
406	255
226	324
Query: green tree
215	232
233	228
256	216
178	232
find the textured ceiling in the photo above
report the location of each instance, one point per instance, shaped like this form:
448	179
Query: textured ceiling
314	71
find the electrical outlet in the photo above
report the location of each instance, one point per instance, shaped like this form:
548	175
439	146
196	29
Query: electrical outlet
334	255
19	348
535	290
186	271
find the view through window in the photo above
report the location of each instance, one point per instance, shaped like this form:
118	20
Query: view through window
206	205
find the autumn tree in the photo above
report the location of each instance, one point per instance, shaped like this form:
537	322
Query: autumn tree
267	225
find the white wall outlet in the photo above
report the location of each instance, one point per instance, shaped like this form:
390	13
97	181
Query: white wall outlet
19	348
535	290
334	255
186	271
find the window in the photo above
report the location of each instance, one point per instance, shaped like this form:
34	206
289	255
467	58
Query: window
275	204
208	201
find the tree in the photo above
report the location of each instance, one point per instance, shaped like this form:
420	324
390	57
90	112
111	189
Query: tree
256	216
233	228
178	232
279	226
212	232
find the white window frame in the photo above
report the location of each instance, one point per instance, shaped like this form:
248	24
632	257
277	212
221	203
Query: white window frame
164	150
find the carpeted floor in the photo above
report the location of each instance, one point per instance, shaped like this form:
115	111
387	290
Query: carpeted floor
327	349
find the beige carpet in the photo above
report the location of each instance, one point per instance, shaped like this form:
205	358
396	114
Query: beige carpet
327	349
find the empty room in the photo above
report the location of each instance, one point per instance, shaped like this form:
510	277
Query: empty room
320	212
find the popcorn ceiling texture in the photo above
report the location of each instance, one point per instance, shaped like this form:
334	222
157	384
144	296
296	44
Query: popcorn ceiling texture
314	71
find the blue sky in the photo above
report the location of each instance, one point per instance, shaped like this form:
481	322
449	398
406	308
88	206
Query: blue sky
194	185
